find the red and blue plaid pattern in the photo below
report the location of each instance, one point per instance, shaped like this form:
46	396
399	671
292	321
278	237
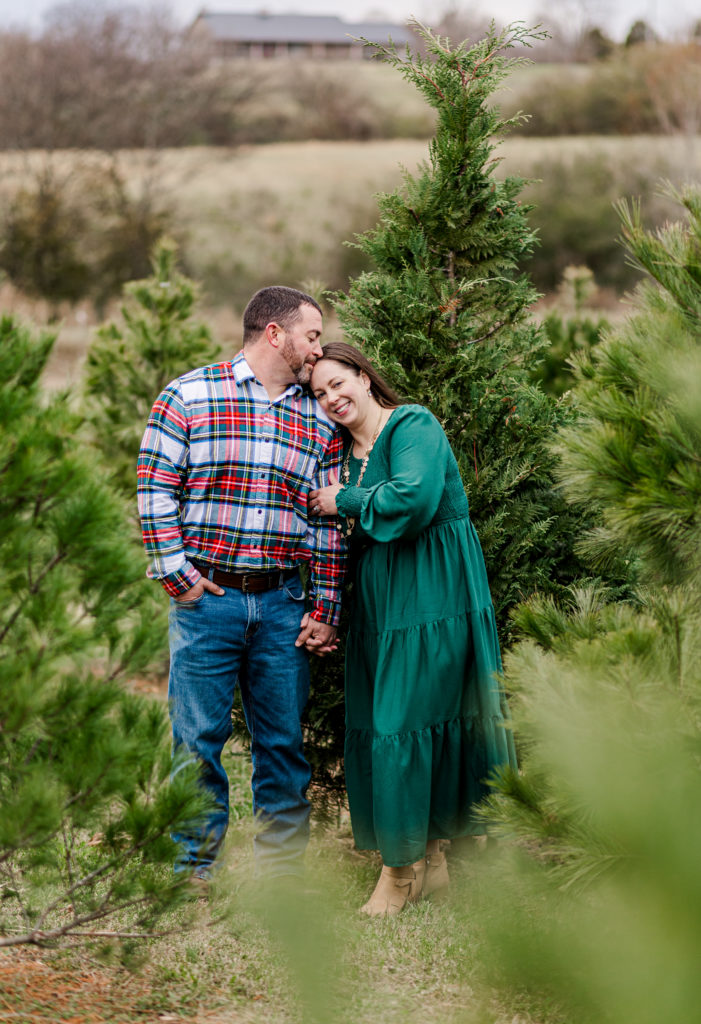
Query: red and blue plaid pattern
224	475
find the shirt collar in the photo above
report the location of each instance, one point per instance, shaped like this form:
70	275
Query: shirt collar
243	372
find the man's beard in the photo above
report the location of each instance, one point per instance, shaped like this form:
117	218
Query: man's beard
301	370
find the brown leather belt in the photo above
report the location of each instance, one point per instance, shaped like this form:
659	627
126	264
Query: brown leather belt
248	582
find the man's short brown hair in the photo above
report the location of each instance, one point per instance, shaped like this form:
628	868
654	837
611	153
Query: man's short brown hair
275	304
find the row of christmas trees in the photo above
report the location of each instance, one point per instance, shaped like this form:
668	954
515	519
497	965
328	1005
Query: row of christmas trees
587	507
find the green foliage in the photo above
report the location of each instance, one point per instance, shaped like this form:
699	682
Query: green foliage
598	912
636	451
130	363
569	336
607	702
86	807
443	314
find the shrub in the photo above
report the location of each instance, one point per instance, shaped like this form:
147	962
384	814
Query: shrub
608	98
574	217
40	247
79	236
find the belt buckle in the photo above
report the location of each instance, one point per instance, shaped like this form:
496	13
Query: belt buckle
244	579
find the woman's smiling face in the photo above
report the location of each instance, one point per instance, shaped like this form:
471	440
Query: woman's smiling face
341	392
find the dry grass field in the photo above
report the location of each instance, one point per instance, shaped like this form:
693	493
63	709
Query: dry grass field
252	215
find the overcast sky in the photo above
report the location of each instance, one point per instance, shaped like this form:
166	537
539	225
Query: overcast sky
666	16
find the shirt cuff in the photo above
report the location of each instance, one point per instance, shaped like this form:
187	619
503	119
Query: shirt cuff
180	582
328	612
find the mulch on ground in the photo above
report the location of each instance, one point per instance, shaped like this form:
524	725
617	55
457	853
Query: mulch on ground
32	989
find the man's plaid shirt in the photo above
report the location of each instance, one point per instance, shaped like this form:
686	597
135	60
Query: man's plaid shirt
224	475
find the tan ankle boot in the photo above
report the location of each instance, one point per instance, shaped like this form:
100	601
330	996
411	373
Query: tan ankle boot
395	888
436	876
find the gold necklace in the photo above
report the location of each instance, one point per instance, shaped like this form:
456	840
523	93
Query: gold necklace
345	471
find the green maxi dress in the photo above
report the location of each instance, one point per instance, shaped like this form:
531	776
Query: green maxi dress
425	717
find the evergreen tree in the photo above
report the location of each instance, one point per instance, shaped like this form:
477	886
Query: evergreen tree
86	806
608	694
568	335
635	455
444	314
130	363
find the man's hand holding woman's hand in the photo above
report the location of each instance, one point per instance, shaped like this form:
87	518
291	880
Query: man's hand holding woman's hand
322	502
317	637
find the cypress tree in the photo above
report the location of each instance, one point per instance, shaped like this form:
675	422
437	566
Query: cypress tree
86	805
443	314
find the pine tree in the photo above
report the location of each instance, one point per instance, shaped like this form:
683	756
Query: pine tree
635	454
130	363
86	805
608	694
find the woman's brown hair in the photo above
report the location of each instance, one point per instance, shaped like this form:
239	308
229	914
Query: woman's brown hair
342	352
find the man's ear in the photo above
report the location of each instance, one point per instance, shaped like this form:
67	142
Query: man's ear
272	334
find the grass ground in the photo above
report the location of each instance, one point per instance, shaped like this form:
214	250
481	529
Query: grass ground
278	956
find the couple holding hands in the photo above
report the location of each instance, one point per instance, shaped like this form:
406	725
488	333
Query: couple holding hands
292	454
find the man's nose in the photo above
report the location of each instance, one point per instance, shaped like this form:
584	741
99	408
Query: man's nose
317	349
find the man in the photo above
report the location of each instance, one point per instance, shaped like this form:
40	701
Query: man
229	456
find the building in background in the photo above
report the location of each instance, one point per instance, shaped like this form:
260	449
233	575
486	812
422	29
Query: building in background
269	36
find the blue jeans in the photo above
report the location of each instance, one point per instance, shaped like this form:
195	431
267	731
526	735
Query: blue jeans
215	642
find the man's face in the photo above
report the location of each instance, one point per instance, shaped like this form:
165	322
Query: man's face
300	346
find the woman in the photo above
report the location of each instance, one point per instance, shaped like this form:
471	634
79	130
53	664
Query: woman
424	714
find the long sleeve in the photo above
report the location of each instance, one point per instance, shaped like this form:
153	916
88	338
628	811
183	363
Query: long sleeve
224	477
162	468
404	504
328	547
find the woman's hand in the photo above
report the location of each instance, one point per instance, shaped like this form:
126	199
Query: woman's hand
322	502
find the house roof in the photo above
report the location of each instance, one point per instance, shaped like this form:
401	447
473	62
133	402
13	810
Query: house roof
298	28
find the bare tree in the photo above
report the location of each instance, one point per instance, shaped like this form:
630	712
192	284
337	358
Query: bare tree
574	30
673	76
113	78
459	23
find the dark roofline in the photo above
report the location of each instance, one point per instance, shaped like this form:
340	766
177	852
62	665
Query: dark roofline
260	27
